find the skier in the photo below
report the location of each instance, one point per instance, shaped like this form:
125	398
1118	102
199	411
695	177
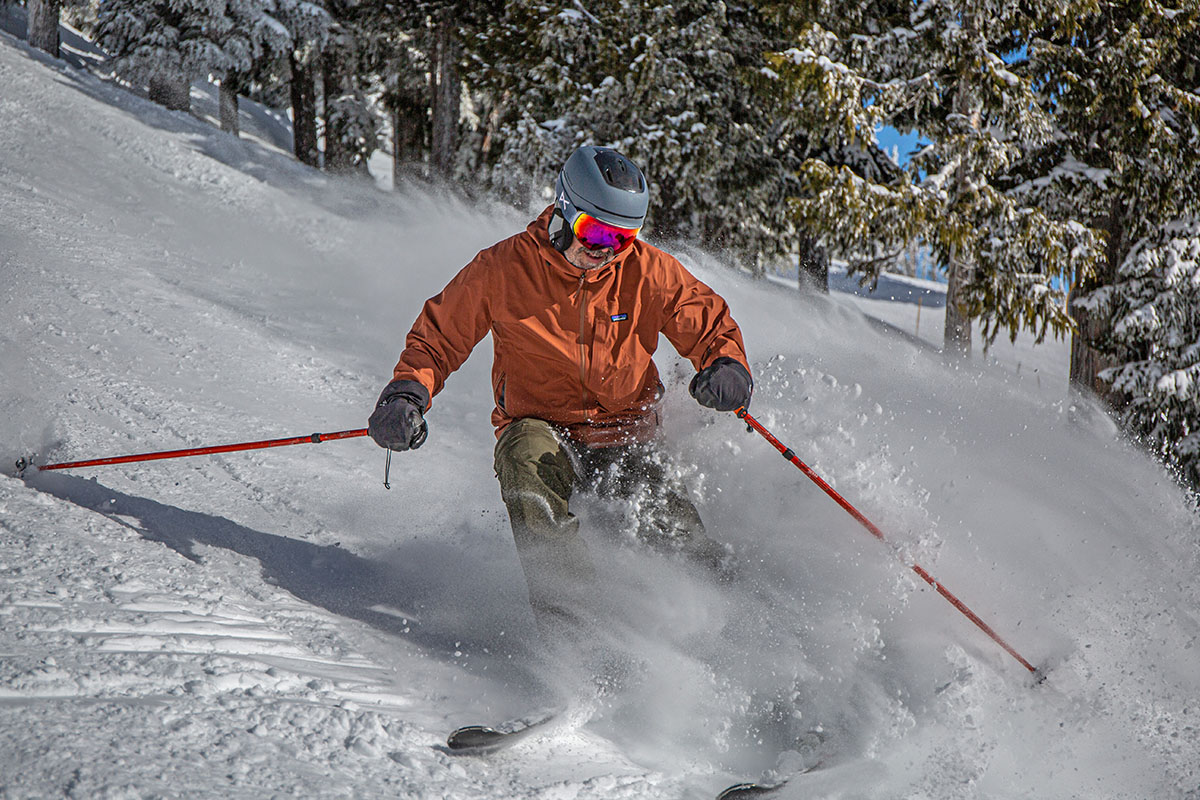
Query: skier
575	305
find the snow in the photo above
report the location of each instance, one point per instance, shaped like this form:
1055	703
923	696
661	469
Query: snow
276	623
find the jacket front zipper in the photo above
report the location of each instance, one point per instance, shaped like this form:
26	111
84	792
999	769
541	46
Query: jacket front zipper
583	357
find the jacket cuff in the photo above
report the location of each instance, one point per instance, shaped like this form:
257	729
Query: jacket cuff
413	391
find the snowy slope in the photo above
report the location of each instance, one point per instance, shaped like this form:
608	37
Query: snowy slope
277	623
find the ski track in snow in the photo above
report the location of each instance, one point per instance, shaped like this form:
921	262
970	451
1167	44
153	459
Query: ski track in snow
275	623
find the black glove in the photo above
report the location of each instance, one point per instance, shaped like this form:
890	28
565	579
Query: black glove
724	385
397	422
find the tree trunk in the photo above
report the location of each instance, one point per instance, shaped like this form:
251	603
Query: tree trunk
956	338
410	122
304	114
493	125
1088	355
172	91
408	137
398	147
339	157
814	265
446	96
43	25
229	107
1088	361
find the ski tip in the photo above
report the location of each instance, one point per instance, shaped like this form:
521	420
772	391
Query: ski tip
766	786
472	738
741	790
484	739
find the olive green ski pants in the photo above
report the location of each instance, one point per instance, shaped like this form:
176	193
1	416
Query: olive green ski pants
539	469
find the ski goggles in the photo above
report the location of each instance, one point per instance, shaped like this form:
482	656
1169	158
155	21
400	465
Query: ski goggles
595	234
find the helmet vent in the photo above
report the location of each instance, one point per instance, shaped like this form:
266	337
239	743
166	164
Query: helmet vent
619	171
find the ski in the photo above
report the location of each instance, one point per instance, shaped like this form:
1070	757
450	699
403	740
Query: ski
739	790
482	739
761	789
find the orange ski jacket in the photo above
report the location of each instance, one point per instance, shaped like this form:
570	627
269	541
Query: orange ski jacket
572	347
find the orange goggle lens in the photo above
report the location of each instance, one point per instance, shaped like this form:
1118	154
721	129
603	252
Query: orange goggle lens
596	235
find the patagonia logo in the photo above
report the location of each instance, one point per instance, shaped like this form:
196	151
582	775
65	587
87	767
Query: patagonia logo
619	317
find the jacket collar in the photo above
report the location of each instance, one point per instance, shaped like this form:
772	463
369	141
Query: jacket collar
539	230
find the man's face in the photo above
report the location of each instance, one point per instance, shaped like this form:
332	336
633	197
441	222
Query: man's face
579	256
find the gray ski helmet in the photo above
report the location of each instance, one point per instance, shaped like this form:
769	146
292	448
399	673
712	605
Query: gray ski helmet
602	183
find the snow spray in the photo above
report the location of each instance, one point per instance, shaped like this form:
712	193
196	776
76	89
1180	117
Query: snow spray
753	425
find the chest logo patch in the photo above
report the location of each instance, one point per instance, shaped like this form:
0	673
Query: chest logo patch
619	317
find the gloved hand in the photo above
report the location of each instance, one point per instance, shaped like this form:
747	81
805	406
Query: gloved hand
724	385
398	422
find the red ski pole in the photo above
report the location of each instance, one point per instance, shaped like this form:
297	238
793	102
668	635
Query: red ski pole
753	425
314	438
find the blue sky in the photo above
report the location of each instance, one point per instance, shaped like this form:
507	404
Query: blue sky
890	138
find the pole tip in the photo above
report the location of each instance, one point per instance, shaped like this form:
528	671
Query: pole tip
22	465
1039	675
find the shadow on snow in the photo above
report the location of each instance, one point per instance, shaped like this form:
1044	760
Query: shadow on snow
331	577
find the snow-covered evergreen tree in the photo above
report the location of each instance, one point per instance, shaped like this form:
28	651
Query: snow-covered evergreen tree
252	42
416	62
164	44
1155	307
396	69
169	43
351	127
1122	83
937	67
664	82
